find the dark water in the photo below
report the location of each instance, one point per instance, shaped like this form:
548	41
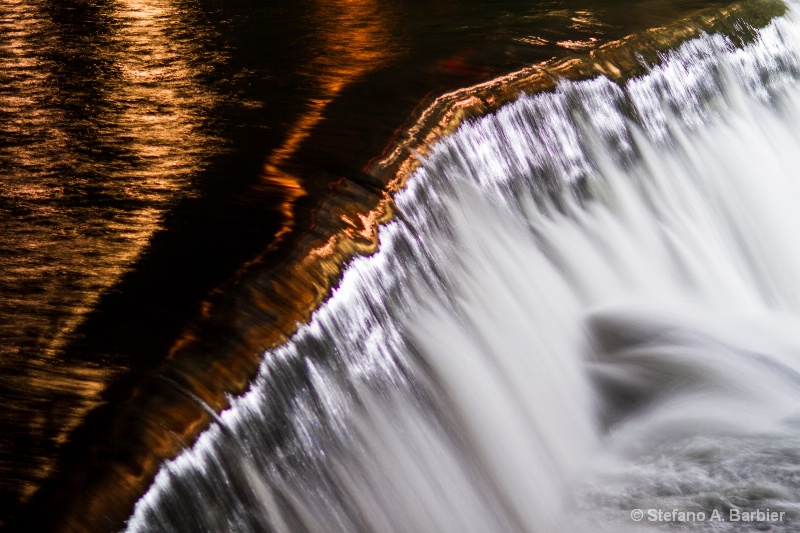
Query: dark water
150	150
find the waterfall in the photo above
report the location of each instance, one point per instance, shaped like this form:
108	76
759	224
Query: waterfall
588	305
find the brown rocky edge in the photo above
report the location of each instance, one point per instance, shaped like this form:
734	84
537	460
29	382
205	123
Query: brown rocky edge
264	306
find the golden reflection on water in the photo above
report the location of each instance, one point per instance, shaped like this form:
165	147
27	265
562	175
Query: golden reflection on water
65	249
587	30
352	39
161	105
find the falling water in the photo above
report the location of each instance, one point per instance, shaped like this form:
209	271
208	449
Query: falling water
588	304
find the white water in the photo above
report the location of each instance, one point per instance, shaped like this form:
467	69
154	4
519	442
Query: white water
589	304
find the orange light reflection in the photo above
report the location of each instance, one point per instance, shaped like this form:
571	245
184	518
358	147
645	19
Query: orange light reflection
152	111
353	40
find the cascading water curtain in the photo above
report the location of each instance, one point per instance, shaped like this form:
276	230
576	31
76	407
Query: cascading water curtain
585	317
